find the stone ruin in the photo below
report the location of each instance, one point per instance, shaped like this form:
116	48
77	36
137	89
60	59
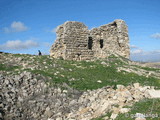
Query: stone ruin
75	42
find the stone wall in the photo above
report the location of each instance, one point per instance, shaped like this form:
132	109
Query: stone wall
75	42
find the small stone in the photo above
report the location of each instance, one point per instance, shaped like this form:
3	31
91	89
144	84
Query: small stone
114	97
140	119
120	87
101	109
106	118
6	82
121	99
50	119
136	85
65	91
154	93
116	110
103	63
113	116
59	90
99	81
59	118
48	113
124	110
1	116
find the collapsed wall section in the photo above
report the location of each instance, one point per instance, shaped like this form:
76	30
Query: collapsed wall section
111	38
58	48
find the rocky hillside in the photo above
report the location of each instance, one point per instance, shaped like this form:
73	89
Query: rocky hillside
43	88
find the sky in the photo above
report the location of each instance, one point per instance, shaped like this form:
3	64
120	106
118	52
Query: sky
27	26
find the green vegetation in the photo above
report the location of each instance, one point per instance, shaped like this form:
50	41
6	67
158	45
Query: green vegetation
146	107
150	69
82	75
9	67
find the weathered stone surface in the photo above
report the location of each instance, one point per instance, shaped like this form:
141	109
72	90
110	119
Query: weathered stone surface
75	42
154	93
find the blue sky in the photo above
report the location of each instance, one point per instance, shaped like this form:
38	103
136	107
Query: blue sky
28	25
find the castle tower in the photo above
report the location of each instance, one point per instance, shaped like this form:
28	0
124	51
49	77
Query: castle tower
75	42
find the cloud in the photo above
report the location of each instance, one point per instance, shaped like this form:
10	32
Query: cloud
138	54
156	35
133	46
15	27
18	45
137	51
145	56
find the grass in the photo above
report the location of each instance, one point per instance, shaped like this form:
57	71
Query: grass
146	107
83	75
150	69
4	67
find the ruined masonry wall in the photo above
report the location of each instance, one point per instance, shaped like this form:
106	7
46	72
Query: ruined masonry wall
75	42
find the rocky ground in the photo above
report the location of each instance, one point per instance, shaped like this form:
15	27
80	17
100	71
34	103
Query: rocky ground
151	64
29	95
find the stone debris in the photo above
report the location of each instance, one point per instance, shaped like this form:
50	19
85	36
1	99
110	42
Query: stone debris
138	71
113	116
75	42
98	102
24	96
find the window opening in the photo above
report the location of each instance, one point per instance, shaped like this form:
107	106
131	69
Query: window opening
101	43
90	42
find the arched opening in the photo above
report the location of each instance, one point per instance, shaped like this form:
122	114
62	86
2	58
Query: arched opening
101	43
90	42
